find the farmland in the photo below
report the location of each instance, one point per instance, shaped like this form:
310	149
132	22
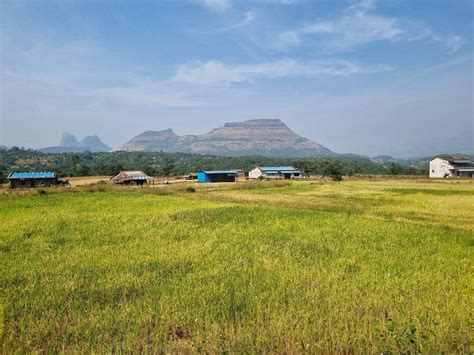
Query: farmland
318	266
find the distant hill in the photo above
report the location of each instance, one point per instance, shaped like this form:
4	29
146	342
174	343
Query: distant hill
3	147
269	137
69	144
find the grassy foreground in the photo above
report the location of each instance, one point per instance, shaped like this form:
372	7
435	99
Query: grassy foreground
356	266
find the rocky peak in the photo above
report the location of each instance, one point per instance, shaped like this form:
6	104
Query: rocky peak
69	143
68	140
93	143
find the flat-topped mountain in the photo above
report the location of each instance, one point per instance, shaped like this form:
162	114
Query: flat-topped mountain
69	143
269	137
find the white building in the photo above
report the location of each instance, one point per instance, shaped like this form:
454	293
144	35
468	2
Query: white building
274	172
444	166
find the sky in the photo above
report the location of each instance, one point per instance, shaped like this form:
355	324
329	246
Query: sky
367	77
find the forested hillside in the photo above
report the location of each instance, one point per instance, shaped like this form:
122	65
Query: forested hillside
174	164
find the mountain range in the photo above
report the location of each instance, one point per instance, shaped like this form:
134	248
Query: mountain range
270	137
267	137
69	144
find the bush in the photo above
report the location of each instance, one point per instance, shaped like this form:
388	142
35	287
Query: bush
190	189
101	186
394	169
332	169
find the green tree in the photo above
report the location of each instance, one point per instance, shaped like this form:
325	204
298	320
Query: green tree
167	167
332	169
394	169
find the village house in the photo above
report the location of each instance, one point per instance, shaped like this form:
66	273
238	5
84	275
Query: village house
217	175
32	179
131	178
448	166
274	172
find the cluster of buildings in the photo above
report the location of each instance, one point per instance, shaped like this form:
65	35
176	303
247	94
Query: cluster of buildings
45	179
442	166
261	172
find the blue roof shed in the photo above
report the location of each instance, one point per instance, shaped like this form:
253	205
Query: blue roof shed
33	175
216	175
32	179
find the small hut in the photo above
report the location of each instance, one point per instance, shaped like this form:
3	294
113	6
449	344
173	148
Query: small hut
217	176
131	178
32	179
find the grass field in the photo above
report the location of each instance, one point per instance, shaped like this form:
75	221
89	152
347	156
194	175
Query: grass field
85	180
356	266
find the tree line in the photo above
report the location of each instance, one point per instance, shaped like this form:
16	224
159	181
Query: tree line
176	164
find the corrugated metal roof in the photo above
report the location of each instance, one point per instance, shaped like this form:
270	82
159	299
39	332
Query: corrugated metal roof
267	169
33	175
136	174
452	157
219	172
464	161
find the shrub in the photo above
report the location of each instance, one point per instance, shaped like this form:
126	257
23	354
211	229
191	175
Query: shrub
332	169
101	186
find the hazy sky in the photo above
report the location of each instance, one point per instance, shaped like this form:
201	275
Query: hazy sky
369	77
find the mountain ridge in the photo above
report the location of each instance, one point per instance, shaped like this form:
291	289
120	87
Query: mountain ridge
270	137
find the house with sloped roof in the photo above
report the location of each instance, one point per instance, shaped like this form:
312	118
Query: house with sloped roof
275	172
32	179
451	166
135	177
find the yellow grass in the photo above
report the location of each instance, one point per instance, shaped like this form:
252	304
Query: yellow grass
85	180
359	266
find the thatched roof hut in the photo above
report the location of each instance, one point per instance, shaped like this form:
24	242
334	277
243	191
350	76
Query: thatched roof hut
131	178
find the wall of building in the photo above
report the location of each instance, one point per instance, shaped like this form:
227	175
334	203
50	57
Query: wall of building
466	174
131	182
203	177
439	168
255	173
28	183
